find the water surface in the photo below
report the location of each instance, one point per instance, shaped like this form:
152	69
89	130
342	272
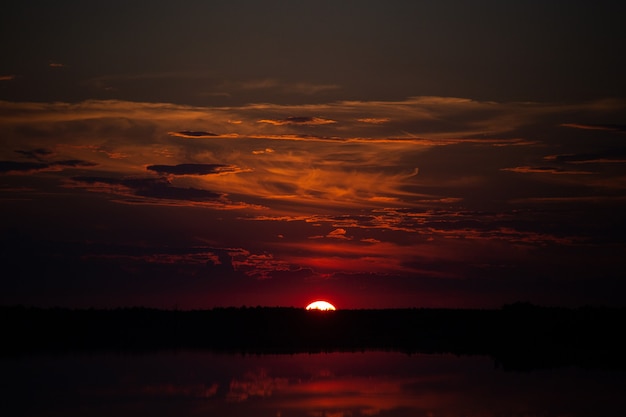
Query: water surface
194	383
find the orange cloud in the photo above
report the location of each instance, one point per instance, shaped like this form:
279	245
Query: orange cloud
262	151
298	120
374	120
338	234
342	166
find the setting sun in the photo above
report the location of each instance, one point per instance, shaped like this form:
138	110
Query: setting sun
321	305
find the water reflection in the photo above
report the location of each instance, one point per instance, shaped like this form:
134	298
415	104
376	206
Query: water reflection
322	385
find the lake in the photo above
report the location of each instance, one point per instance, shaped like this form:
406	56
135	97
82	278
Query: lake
338	384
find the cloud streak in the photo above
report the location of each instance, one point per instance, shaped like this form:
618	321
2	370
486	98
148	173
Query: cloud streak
155	191
8	167
545	170
193	134
608	128
298	121
150	187
194	169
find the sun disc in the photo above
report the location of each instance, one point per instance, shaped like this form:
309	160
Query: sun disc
321	305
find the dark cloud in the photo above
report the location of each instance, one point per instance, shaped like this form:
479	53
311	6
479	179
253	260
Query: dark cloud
159	188
193	134
13	166
192	169
177	193
40	155
72	163
35	153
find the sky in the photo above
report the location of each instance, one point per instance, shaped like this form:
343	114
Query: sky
375	154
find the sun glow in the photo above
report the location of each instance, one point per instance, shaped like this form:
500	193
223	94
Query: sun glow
321	305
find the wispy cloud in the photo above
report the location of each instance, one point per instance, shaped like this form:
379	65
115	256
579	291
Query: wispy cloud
334	234
545	170
605	127
429	118
614	156
374	120
298	120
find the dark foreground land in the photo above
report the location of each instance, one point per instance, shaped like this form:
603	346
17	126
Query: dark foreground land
518	336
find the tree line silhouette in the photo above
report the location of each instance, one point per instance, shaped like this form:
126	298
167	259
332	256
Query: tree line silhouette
517	336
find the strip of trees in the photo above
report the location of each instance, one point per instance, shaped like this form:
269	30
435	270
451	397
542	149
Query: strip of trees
517	336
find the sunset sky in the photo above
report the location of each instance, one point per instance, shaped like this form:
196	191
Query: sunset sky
195	154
